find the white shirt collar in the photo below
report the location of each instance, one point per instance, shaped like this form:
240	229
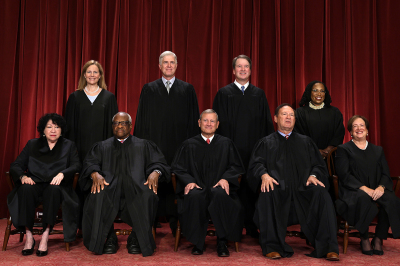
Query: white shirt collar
171	81
205	139
121	140
240	85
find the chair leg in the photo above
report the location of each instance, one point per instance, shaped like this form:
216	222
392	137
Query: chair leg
67	246
7	233
21	237
237	246
154	232
177	236
345	237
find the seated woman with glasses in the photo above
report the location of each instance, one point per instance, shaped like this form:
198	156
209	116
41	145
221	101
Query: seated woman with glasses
319	120
364	181
43	173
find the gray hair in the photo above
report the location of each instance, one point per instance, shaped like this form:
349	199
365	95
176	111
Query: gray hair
129	117
165	54
208	111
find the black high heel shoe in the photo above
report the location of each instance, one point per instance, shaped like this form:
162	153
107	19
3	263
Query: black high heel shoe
41	253
366	252
27	252
375	251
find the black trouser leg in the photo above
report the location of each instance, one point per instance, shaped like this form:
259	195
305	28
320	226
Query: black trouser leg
52	198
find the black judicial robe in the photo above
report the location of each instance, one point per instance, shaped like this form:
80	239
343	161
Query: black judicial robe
89	123
357	168
323	126
291	162
206	164
41	164
244	118
167	119
124	166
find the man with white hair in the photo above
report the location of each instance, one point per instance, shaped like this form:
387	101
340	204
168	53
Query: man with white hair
167	114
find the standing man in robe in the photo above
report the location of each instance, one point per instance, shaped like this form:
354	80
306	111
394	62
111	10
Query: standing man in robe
294	182
207	168
122	174
245	118
167	114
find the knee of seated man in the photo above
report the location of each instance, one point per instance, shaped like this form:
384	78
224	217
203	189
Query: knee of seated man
219	192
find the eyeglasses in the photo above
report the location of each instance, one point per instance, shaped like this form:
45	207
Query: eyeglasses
122	123
316	91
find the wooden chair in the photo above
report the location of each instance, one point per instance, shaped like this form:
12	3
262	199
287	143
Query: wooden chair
38	221
210	231
330	161
344	225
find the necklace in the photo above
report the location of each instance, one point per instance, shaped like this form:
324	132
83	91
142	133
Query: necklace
87	92
366	145
316	107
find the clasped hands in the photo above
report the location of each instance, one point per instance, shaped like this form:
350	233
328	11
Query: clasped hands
55	181
375	194
268	182
99	182
222	183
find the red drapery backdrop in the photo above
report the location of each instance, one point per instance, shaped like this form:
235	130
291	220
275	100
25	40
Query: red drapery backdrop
351	45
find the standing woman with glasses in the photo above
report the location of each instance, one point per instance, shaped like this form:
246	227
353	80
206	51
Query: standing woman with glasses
319	120
89	113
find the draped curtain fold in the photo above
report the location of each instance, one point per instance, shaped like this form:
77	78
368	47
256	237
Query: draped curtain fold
351	45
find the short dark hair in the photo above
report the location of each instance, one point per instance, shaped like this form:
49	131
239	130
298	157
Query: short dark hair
353	118
55	118
306	98
281	106
241	56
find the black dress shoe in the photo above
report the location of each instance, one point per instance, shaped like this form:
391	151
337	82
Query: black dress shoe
366	252
27	252
40	253
222	249
111	246
376	251
197	251
133	244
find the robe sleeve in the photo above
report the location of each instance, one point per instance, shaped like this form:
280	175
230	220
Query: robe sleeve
338	136
318	166
193	116
301	126
267	116
111	110
258	165
347	179
74	163
385	178
234	169
92	163
179	166
141	122
156	161
20	165
70	118
220	107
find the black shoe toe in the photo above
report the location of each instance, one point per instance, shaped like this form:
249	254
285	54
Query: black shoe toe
111	246
27	252
222	250
40	253
197	251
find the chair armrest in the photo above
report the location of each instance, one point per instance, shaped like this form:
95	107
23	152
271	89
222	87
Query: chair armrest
397	186
335	179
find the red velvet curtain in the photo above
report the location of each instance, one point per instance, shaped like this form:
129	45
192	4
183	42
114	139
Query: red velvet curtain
351	45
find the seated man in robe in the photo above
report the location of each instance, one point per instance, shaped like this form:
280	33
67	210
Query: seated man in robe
294	182
122	173
207	167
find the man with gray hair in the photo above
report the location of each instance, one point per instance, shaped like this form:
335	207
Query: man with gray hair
167	114
122	174
207	168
